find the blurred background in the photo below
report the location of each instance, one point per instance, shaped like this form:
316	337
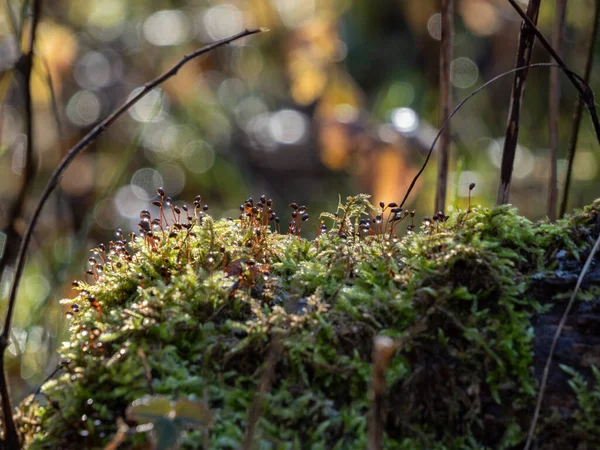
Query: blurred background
340	97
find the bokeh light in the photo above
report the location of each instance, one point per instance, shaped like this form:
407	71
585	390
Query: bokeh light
405	120
222	21
434	26
84	108
145	181
288	126
167	27
151	108
198	156
463	72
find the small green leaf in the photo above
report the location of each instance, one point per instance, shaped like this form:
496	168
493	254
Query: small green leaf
193	413
150	409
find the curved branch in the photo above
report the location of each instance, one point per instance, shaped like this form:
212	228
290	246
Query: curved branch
570	73
54	181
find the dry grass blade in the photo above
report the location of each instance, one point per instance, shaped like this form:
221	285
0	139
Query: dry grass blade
447	14
561	325
526	41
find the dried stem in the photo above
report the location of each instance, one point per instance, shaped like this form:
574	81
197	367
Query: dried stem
559	329
558	35
579	110
445	101
384	348
53	183
526	40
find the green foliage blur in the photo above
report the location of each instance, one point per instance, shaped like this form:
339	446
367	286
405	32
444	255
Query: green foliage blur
340	97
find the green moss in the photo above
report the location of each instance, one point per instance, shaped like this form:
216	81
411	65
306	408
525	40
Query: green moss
195	315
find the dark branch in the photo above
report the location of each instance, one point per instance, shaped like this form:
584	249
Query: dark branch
558	34
445	101
579	111
580	84
526	41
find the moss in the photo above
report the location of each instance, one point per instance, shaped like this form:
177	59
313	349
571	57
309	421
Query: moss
192	310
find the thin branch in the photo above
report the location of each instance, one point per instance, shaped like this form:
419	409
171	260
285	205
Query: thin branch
587	95
447	14
561	325
558	35
579	110
57	174
526	40
24	68
571	74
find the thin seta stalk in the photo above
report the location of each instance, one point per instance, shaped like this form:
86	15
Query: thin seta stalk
526	41
446	42
558	35
11	438
579	111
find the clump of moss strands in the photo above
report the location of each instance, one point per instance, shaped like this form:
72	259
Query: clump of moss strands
271	335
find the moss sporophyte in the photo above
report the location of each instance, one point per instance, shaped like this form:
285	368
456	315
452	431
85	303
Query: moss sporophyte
172	335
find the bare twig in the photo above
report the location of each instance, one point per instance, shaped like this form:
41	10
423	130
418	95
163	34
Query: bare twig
561	325
526	40
120	435
264	387
579	110
447	14
558	33
55	179
570	73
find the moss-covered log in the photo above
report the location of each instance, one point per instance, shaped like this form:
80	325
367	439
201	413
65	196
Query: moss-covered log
225	333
